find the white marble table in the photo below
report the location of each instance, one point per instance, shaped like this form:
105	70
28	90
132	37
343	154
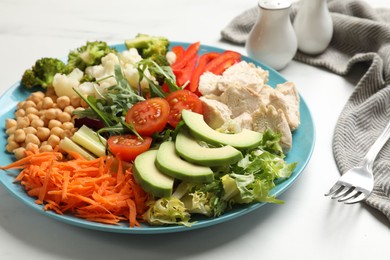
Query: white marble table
308	226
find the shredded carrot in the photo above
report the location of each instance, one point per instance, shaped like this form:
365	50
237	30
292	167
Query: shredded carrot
92	190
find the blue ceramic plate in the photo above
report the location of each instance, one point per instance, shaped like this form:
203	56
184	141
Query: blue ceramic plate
303	144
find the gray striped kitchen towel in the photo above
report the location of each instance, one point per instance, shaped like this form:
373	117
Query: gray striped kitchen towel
361	40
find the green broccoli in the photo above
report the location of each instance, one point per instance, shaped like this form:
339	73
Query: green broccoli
89	54
43	71
148	46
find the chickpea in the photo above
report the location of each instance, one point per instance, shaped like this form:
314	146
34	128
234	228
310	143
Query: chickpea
43	133
19	153
37	123
51	113
21	104
29	103
11	130
69	110
30	130
53	140
39	106
12	145
83	103
58	131
11	137
20	112
19	136
75	101
31	110
67	126
31	138
53	123
31	147
64	117
63	102
38	96
46	148
68	133
47	102
10	122
22	122
32	117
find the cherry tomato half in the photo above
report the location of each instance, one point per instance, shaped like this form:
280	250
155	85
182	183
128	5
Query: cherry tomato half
127	147
149	116
179	100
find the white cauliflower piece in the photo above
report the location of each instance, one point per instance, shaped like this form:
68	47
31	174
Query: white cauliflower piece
63	84
171	57
130	56
103	72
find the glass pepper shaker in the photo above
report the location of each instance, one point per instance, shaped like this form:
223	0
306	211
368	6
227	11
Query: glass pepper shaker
272	39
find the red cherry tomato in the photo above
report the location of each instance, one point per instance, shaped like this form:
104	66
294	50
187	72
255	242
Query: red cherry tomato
179	100
127	147
149	116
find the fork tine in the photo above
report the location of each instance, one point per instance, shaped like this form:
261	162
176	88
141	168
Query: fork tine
345	191
336	187
350	195
356	198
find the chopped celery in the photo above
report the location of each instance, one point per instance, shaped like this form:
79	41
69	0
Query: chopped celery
69	146
90	140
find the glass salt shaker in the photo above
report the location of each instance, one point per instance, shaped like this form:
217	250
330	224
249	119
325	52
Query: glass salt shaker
272	39
313	26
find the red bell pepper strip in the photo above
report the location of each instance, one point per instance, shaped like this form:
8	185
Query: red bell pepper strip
184	75
188	56
179	52
213	66
223	66
203	60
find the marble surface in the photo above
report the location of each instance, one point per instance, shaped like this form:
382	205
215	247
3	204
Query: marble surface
308	226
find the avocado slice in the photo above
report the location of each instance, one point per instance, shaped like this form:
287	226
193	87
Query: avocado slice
170	163
149	177
201	130
190	149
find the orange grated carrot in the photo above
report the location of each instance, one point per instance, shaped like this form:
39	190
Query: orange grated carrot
100	190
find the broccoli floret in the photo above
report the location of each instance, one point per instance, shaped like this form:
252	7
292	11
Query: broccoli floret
148	46
42	72
88	55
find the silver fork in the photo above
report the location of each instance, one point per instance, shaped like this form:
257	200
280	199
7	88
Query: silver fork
357	183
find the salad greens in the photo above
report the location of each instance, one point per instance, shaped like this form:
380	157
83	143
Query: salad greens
247	181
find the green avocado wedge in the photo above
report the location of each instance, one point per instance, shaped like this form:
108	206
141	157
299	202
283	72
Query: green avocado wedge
246	139
190	149
170	163
149	177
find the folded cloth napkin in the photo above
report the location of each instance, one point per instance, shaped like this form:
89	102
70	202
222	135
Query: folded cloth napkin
361	40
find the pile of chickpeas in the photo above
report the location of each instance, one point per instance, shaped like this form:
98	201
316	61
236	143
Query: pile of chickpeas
41	122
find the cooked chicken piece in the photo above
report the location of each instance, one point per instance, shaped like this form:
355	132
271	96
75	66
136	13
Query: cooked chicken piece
215	113
285	98
240	99
236	125
244	121
243	74
291	95
208	84
271	118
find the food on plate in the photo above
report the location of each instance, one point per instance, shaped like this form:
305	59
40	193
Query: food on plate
158	133
241	99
